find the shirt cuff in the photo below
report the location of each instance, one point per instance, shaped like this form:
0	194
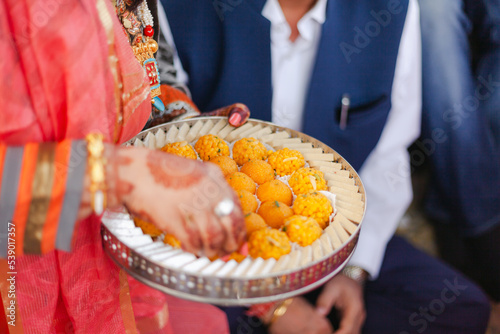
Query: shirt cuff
369	254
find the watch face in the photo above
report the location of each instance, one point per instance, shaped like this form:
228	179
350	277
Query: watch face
356	273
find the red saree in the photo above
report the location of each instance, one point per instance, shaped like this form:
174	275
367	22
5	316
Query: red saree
67	70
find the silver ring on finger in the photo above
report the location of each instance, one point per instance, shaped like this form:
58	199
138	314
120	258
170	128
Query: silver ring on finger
224	208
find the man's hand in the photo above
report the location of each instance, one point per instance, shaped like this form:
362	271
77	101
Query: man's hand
237	113
301	318
346	295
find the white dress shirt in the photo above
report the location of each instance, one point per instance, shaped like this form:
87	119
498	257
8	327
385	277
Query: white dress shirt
292	62
386	172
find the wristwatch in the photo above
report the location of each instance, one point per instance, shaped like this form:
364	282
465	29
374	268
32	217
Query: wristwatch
356	273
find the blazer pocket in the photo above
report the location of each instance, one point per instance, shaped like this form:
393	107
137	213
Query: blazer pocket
366	112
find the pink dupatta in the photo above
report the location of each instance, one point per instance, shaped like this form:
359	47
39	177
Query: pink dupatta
68	70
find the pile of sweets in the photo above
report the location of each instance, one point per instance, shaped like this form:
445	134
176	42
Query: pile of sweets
287	200
280	197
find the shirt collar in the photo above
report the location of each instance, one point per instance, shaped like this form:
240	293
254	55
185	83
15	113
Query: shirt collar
318	12
313	18
273	12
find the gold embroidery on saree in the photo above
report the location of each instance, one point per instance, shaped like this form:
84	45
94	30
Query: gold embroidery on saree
40	199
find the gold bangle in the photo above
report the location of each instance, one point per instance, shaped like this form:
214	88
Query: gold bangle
96	166
280	310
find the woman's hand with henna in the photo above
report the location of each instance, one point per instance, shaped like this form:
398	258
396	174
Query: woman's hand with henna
179	196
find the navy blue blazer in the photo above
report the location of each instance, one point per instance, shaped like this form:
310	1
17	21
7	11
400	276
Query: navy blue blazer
224	46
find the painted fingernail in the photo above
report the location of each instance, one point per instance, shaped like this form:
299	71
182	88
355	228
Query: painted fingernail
235	119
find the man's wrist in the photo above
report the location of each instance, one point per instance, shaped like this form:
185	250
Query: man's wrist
356	273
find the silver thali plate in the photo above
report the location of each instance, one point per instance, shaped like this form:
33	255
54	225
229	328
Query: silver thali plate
144	259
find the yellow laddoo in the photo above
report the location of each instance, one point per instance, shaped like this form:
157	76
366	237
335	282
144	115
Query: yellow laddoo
286	161
248	201
147	228
268	243
275	190
209	146
225	163
274	213
181	148
306	179
314	205
247	149
302	230
254	222
259	170
239	181
236	256
169	239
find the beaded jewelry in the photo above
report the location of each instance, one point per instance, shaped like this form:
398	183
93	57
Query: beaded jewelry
145	14
139	29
